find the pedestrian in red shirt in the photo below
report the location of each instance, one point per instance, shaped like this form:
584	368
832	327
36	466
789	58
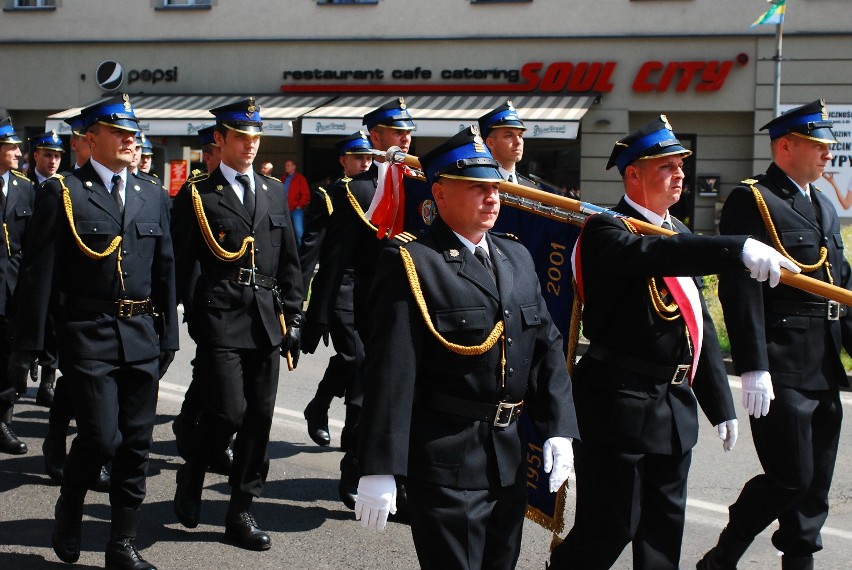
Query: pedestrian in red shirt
298	196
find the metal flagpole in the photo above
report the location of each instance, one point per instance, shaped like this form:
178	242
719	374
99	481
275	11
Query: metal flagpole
779	32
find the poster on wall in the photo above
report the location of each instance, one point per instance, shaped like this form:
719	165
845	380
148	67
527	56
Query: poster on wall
836	182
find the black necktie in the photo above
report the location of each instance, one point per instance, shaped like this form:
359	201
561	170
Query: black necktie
485	260
817	211
510	178
2	198
666	225
116	193
248	195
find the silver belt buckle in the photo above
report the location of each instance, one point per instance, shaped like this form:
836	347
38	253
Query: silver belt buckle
833	312
245	276
681	374
503	417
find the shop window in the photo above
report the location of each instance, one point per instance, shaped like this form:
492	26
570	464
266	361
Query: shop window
31	4
184	4
347	1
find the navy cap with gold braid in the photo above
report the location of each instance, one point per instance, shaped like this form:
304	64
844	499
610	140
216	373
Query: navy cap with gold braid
47	141
76	124
147	147
206	136
393	115
652	140
462	156
356	143
7	132
808	121
114	112
503	116
242	116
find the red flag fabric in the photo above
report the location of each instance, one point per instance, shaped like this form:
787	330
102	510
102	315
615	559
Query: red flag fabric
389	216
686	295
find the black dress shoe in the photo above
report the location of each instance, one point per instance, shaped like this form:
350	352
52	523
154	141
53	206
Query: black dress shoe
348	486
187	503
710	561
317	417
222	462
54	457
9	442
241	530
101	483
66	529
122	555
44	396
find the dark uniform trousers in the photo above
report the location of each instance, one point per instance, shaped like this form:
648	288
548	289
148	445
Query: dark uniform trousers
339	291
465	477
235	325
797	441
20	197
111	363
332	296
638	430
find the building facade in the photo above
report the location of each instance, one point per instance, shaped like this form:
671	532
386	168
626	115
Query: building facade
582	74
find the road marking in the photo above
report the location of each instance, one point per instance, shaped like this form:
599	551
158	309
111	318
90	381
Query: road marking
722	509
175	392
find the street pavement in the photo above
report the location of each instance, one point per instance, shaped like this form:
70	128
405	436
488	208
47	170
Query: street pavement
310	527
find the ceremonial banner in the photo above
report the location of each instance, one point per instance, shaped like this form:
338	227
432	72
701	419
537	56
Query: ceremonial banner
550	242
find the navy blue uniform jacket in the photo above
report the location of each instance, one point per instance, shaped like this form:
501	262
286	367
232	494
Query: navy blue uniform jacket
401	438
54	266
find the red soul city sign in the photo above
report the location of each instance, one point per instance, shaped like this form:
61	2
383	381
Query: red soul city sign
560	76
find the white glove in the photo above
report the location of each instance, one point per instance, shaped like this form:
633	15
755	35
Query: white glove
728	434
558	460
757	392
764	262
376	499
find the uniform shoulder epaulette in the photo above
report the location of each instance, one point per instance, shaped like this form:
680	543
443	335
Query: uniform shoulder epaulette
749	181
505	235
199	176
155	175
195	172
20	174
403	238
324	195
269	177
346	179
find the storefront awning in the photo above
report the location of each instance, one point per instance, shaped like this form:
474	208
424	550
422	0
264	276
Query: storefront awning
545	116
175	115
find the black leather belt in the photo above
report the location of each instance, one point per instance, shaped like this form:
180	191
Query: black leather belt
675	374
123	308
249	277
500	415
830	310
